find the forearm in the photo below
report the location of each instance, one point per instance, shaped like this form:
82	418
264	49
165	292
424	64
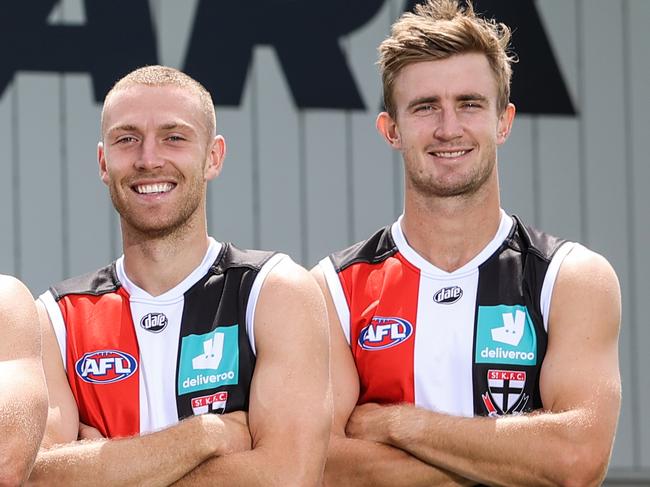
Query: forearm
533	449
361	463
23	412
159	458
258	467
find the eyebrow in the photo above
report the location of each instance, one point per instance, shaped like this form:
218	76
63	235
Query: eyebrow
133	128
436	99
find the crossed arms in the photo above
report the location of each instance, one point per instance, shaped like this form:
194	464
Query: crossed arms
567	443
23	396
282	441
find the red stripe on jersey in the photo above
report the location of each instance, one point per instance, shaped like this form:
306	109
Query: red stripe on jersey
382	299
102	361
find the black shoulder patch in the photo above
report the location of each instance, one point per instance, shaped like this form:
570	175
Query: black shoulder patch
378	247
96	283
231	256
537	242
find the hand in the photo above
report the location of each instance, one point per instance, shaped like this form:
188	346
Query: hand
227	433
88	432
237	433
369	422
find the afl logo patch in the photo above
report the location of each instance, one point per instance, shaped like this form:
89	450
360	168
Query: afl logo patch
154	322
384	333
105	366
448	295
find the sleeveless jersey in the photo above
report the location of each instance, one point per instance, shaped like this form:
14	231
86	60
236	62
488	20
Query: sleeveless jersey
137	363
468	342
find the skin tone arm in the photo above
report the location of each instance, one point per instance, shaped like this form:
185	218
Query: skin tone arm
138	460
567	444
23	396
290	403
359	462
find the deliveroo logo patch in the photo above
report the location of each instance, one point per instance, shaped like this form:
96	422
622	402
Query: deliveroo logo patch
505	335
209	361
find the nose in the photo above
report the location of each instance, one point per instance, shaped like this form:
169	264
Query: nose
149	157
449	126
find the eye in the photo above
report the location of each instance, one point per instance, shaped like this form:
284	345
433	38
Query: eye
175	138
424	109
471	105
126	139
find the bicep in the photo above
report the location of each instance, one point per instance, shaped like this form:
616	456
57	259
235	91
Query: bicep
343	372
63	416
581	370
290	404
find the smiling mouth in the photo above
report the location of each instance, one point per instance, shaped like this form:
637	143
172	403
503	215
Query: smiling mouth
155	188
450	154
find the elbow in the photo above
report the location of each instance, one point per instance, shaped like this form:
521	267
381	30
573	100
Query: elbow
583	466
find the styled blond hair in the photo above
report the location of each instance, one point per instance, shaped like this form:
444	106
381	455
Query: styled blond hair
439	29
165	76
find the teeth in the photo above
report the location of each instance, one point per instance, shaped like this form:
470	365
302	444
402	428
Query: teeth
153	188
450	155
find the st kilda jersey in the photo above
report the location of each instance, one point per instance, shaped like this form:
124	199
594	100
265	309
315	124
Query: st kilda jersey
468	342
138	363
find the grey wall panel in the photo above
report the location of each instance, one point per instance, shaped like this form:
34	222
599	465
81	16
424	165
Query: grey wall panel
88	243
558	148
279	158
41	176
232	197
604	160
638	130
7	208
516	175
326	198
173	21
372	160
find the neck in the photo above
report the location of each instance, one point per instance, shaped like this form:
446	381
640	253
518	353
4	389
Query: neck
451	231
158	264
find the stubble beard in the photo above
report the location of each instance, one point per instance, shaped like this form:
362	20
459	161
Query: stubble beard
169	226
427	185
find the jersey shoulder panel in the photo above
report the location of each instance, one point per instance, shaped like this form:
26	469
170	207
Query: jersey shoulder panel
232	257
373	250
97	283
529	239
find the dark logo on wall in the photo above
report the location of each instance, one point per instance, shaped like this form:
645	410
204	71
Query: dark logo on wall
154	322
317	70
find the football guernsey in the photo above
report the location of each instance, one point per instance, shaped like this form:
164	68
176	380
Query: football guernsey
468	342
137	363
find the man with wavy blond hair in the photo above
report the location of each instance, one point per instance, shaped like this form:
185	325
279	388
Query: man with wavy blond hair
467	347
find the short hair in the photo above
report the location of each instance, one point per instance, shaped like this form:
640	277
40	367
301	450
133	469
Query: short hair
166	76
439	29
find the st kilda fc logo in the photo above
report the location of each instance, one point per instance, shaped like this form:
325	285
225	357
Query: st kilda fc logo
505	393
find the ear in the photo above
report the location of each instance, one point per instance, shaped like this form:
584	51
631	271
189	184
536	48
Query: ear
504	125
101	160
389	130
215	158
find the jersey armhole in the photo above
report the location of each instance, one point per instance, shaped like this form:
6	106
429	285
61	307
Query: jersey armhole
550	277
255	294
56	318
338	296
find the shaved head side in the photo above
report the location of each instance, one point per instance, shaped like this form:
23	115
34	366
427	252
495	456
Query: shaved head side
166	76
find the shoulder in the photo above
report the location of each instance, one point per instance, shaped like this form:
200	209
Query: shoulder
95	283
376	248
14	295
586	286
